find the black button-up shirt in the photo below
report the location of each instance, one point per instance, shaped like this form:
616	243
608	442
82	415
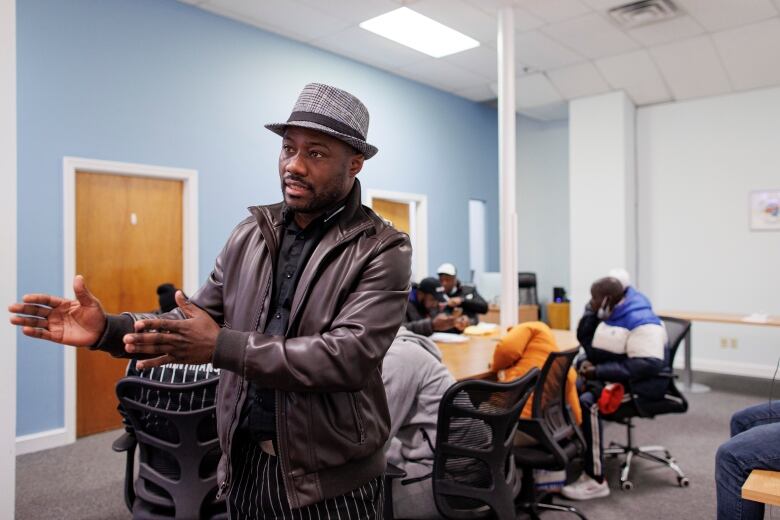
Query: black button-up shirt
259	414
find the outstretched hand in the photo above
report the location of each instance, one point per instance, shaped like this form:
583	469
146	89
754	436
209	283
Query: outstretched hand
78	322
191	340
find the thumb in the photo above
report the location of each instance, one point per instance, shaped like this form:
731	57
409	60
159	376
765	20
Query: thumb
83	295
184	304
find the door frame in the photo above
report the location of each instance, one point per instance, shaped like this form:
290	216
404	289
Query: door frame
190	277
418	224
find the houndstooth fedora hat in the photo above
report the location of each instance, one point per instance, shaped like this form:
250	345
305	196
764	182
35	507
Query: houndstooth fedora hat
332	111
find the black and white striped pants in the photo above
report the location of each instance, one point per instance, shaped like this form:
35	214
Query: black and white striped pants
258	492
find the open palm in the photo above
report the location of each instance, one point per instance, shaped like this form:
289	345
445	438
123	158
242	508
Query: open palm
78	322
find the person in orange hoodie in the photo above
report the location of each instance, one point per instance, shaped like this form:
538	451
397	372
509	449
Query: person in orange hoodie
524	347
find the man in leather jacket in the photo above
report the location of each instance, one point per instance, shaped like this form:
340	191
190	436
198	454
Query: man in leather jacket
301	306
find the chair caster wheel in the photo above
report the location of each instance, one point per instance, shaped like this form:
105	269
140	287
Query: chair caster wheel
626	485
683	482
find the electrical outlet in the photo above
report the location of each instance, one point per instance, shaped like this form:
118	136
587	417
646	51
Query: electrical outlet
724	342
733	342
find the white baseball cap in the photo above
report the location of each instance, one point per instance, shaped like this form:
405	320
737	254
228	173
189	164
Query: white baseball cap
621	275
447	268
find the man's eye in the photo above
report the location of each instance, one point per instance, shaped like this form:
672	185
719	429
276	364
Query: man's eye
316	154
287	148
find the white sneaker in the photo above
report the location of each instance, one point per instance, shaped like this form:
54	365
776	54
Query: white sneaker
585	488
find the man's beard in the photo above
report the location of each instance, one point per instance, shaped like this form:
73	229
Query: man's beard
321	200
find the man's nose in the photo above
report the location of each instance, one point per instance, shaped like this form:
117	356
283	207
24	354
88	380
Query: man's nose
296	165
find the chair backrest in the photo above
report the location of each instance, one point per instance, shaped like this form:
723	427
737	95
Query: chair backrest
526	283
474	474
676	329
175	425
549	401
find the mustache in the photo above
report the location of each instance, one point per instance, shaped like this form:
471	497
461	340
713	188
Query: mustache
297	180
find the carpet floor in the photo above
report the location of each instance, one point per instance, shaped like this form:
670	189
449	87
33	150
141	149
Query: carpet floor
85	480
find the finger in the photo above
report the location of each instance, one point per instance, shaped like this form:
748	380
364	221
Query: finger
83	295
30	322
189	309
43	299
153	349
143	364
29	309
158	324
152	338
35	332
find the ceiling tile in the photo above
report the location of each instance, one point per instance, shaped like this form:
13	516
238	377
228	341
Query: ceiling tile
369	48
578	80
482	60
275	16
691	68
489	6
605	5
525	21
751	54
441	74
541	52
715	15
478	93
354	11
635	73
672	30
592	36
555	10
535	90
461	16
551	112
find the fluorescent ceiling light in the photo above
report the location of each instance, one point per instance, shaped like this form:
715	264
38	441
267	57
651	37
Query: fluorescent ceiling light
419	32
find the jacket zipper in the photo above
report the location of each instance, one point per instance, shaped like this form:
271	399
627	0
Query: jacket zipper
236	412
358	419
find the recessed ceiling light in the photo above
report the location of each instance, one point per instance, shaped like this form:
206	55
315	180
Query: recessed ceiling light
419	32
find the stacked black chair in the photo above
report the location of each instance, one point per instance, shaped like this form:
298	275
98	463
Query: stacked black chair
526	283
474	474
635	406
551	437
173	423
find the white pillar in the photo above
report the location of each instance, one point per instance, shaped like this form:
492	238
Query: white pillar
8	256
602	192
507	149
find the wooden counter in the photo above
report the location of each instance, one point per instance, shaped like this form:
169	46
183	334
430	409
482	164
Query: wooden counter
471	360
762	486
714	317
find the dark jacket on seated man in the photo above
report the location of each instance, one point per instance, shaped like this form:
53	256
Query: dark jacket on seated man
630	345
457	294
427	313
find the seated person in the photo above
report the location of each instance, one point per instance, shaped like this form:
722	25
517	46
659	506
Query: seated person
427	313
461	295
753	445
524	347
415	381
624	342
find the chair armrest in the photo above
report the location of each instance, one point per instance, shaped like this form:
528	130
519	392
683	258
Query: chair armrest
124	442
392	471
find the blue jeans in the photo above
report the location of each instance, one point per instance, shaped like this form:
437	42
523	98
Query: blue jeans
754	444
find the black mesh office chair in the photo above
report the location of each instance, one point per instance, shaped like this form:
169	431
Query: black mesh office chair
553	438
634	406
173	423
474	474
526	283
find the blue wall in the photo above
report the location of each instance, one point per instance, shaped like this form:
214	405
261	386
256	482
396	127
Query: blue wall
158	82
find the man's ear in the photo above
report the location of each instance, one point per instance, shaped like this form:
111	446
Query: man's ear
356	164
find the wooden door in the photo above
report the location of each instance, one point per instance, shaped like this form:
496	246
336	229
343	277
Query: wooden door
395	212
128	241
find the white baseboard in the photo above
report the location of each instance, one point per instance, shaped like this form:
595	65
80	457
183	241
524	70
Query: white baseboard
41	441
732	368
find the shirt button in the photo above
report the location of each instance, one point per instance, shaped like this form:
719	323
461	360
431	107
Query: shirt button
288	275
278	316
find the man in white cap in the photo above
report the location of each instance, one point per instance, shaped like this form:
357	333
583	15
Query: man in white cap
460	295
301	306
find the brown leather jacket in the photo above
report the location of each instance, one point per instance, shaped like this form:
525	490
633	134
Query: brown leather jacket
331	411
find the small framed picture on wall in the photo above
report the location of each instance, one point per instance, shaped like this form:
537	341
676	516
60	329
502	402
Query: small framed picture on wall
765	210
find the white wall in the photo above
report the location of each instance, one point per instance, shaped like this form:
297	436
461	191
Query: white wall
8	256
697	162
602	202
542	203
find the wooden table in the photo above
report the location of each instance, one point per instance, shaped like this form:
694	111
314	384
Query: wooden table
712	317
762	486
471	360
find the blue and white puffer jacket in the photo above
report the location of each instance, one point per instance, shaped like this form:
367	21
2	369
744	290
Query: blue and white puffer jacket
629	346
